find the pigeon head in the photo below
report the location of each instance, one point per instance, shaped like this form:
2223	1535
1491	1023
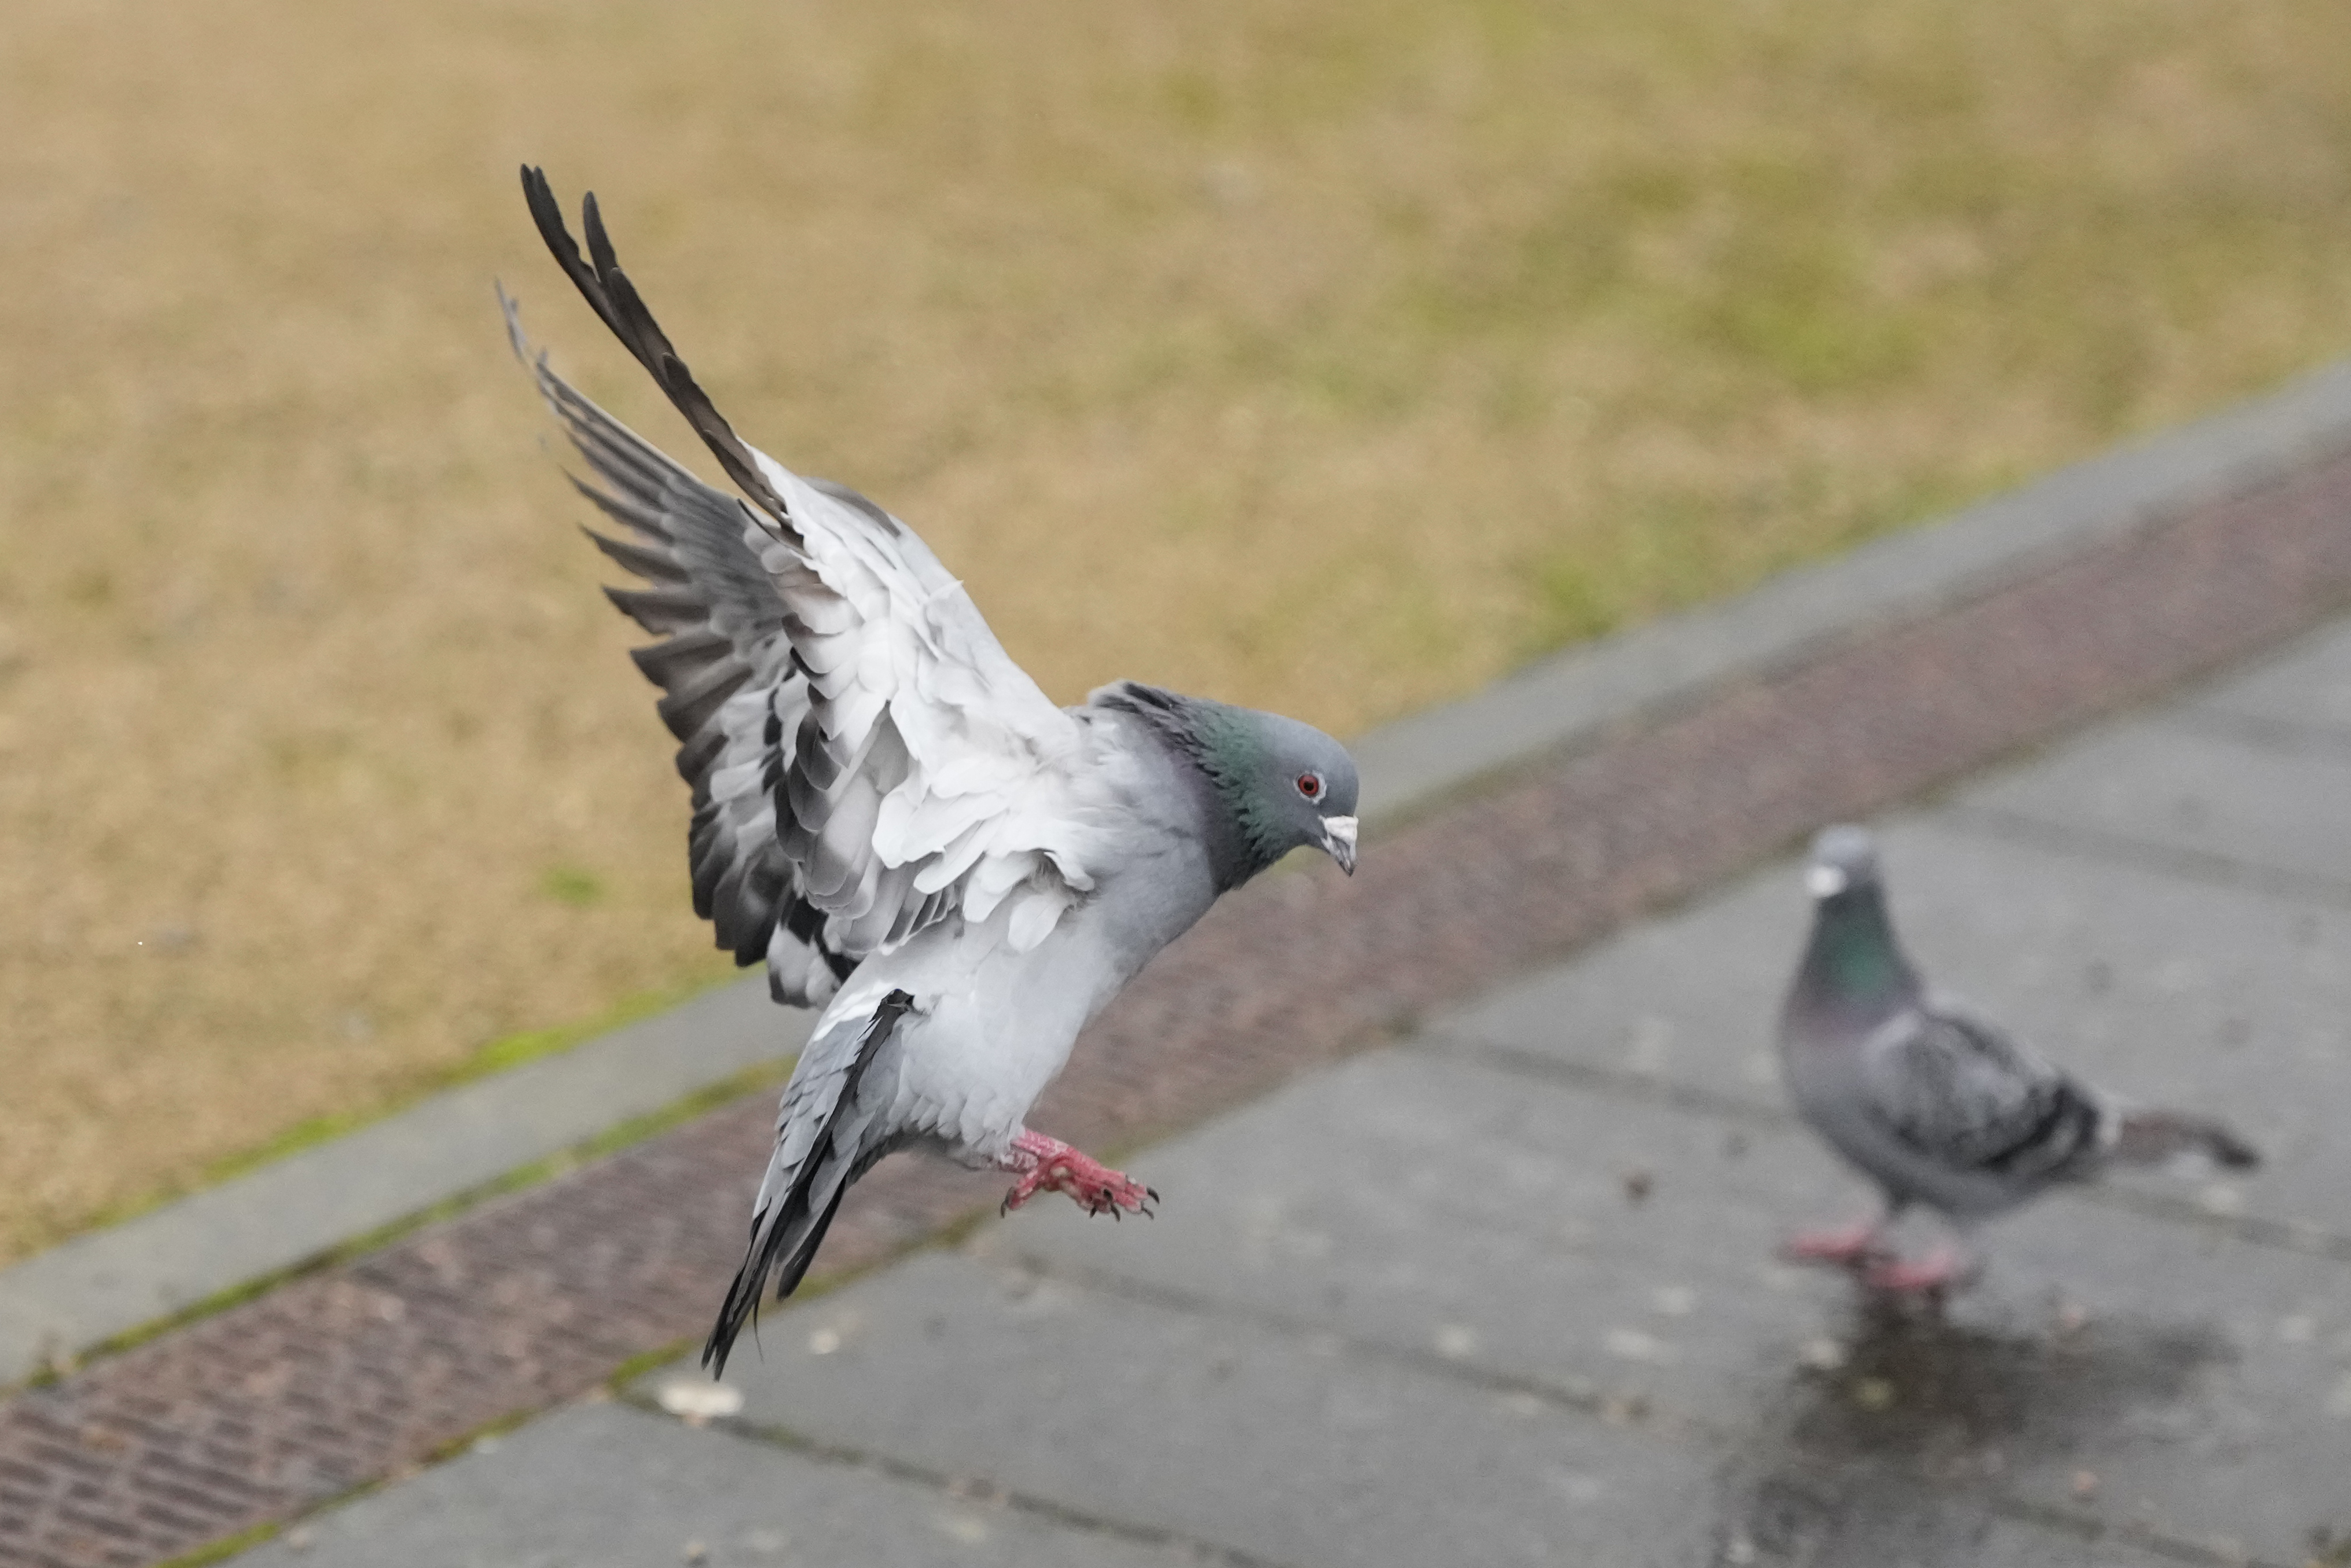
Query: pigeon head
1844	860
1272	784
1853	960
1289	785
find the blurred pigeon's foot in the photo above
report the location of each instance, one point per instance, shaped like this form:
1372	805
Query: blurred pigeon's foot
1048	1165
1845	1246
1939	1271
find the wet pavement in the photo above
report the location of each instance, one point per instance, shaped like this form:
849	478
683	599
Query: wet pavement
1505	1291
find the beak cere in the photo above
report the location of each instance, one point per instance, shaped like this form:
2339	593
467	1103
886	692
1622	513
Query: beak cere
1823	881
1338	838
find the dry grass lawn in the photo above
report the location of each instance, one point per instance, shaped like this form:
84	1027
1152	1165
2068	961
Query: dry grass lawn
1327	354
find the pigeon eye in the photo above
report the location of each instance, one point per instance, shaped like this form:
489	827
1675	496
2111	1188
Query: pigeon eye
1311	785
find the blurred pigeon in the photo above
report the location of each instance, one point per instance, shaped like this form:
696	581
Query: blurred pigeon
890	812
1936	1106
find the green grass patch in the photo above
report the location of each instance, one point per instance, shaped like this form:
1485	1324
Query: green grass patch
227	1547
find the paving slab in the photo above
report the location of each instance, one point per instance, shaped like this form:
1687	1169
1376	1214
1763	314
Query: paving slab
2173	785
1478	1222
607	1485
1277	1444
2233	1001
2306	687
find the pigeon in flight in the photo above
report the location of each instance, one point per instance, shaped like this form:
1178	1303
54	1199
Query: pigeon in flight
1936	1106
892	815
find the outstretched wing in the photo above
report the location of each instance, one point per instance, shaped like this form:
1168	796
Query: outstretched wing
732	695
911	767
1961	1092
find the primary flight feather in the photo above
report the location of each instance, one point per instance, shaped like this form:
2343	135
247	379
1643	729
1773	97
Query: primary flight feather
892	815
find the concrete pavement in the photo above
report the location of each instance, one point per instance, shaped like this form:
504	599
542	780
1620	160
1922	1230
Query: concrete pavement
1505	1291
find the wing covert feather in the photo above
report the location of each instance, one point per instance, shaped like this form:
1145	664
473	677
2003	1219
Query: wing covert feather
1955	1087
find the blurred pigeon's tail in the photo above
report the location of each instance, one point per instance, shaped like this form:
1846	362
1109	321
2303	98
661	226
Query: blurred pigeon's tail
2150	1137
810	1173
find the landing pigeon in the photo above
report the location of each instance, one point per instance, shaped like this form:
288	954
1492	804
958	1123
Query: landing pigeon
1936	1106
890	812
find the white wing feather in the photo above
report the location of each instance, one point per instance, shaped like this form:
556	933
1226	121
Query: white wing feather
931	773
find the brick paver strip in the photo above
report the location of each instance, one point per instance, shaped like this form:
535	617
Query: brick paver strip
348	1375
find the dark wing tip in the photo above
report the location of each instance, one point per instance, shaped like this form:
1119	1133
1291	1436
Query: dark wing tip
599	244
609	292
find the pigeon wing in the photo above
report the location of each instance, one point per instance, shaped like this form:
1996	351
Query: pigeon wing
931	774
912	770
1962	1093
731	692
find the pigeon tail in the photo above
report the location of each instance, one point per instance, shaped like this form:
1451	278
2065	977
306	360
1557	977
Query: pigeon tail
2148	1137
789	1226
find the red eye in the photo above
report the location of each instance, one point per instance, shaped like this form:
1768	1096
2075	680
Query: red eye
1310	784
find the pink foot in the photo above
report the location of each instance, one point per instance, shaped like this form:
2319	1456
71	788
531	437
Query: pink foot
1048	1165
1931	1275
1846	1246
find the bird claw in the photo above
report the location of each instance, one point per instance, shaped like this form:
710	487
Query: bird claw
1049	1166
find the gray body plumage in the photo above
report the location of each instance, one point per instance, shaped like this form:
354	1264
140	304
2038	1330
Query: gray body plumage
886	809
1937	1105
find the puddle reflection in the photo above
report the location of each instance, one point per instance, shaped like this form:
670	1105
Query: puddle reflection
1889	1458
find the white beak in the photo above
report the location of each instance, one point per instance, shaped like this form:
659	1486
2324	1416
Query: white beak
1823	881
1338	838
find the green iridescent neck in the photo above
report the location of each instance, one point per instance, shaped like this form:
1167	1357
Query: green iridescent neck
1853	957
1232	754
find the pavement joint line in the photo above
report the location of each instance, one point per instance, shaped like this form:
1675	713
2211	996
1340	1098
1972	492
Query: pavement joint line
2132	853
2130	1531
963	1488
1636	1410
2197	1554
118	1281
2283	1235
2252	1230
1454	1044
2260	732
1589	1401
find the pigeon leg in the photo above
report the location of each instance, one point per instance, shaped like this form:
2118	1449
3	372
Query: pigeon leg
1048	1165
1846	1246
1937	1271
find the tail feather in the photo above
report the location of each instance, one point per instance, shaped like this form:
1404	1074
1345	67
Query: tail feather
2148	1137
795	1213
